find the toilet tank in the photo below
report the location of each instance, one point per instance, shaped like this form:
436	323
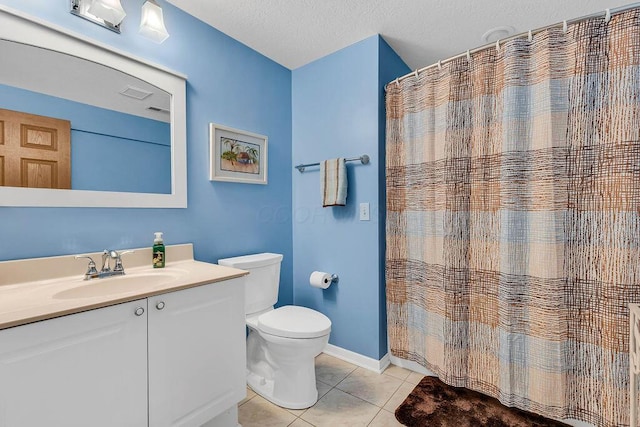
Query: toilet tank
262	284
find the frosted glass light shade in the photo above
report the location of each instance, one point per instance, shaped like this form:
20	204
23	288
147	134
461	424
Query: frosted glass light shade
152	22
107	10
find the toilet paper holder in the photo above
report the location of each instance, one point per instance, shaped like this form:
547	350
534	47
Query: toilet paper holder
322	279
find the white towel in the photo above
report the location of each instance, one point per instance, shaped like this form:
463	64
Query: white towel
333	182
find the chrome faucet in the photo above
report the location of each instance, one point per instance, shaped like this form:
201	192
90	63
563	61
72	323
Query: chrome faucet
105	271
106	262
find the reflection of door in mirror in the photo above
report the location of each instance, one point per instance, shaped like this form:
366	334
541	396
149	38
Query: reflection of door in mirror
35	151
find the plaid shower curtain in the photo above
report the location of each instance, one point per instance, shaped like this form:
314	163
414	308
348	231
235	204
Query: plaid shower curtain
513	221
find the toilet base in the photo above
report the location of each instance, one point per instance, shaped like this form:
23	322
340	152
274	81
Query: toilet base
264	388
282	370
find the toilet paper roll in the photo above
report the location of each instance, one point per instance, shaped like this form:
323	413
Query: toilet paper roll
320	279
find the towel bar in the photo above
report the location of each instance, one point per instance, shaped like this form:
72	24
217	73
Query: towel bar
364	159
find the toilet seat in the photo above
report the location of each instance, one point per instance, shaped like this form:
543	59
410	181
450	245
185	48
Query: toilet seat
294	322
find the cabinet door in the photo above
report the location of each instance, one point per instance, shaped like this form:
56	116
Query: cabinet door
86	369
196	353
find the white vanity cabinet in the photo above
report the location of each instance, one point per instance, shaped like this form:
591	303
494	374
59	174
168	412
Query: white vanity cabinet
175	359
196	353
86	369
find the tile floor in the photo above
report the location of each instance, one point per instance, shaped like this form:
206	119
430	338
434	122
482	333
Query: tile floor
347	396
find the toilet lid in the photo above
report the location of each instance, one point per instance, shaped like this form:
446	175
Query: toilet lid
294	322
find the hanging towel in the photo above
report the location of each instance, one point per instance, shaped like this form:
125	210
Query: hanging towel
333	182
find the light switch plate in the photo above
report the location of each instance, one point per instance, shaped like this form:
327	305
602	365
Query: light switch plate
364	211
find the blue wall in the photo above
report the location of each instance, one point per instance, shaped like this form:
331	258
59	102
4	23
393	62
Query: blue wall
338	111
333	107
109	163
110	151
229	84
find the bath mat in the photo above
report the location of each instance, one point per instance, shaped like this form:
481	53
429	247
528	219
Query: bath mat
434	404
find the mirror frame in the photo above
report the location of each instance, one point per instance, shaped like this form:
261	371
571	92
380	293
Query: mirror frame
23	28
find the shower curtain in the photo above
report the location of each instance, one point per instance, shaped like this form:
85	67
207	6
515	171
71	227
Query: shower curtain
513	222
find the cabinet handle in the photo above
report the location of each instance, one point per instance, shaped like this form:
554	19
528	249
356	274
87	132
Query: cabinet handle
160	305
139	311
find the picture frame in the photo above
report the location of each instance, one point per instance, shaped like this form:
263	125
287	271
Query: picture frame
237	156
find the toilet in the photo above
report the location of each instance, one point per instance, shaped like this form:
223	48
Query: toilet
282	342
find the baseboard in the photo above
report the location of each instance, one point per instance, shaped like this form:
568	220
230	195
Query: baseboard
357	359
410	365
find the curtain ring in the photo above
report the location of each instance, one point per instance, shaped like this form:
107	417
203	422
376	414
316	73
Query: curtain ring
607	15
564	26
498	45
530	36
440	65
398	82
468	55
415	73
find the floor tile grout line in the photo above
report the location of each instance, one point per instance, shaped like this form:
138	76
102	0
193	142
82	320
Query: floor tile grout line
392	394
246	401
374	404
371	403
320	381
374	417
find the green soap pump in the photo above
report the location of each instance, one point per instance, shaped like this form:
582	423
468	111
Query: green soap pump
158	251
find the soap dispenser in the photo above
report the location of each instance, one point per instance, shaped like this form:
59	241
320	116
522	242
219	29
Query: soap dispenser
158	251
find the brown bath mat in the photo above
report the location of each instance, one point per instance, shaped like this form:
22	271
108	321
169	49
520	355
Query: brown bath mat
434	404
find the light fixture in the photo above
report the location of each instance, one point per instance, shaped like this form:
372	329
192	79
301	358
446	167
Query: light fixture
109	14
108	10
106	13
152	22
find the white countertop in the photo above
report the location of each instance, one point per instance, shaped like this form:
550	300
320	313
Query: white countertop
24	301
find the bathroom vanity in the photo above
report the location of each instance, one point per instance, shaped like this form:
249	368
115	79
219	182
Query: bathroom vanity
163	347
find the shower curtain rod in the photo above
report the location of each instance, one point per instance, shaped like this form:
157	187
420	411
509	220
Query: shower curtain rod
605	13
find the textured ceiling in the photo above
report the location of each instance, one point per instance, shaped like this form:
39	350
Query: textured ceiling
296	32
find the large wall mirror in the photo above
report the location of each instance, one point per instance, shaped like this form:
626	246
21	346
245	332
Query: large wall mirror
82	124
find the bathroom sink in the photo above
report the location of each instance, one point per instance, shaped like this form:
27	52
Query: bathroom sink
115	285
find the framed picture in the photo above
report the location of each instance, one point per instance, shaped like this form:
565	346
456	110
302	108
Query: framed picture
237	156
